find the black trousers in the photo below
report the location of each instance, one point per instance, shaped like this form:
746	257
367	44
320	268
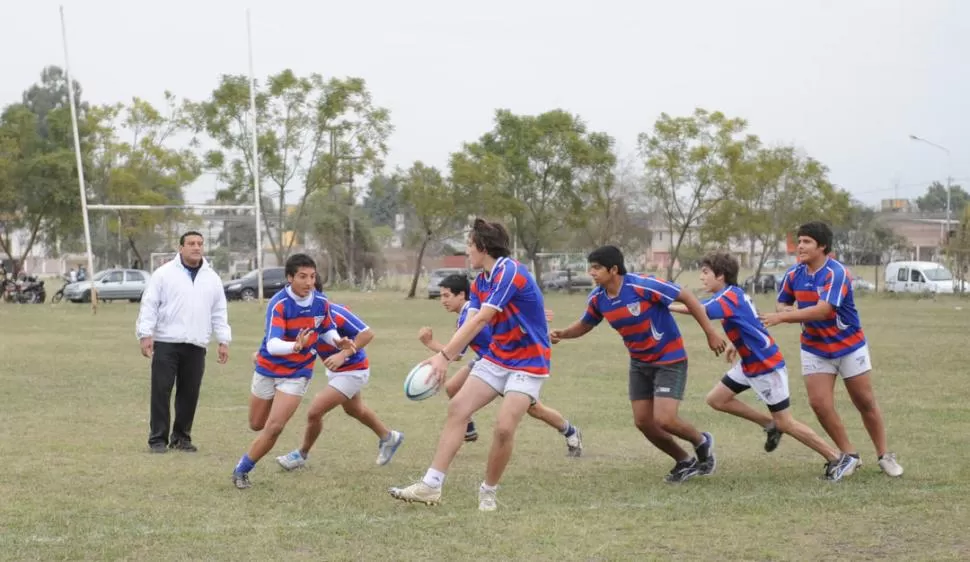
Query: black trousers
180	365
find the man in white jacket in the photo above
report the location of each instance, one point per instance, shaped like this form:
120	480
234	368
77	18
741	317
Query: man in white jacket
182	305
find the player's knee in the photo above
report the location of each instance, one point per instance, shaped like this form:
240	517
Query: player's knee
784	424
457	409
451	388
716	402
273	429
504	431
646	425
664	420
534	411
353	410
256	425
820	404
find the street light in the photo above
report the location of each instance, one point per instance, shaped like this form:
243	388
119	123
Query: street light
948	178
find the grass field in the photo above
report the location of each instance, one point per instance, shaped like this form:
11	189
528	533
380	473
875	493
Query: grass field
78	483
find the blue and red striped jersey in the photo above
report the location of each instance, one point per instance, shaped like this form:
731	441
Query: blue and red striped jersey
520	334
348	325
639	313
757	349
286	315
840	333
481	340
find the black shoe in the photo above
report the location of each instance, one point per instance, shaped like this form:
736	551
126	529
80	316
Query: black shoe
241	480
706	462
682	471
184	446
157	448
772	438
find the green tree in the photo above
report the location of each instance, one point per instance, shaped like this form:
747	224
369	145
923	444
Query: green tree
437	208
383	201
328	221
934	200
773	191
611	196
314	134
533	168
860	238
688	164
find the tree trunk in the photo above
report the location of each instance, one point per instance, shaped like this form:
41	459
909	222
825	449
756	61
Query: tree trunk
131	244
417	268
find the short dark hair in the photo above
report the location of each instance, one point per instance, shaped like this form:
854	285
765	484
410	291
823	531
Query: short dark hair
296	261
722	263
609	257
189	233
318	284
456	283
819	232
491	238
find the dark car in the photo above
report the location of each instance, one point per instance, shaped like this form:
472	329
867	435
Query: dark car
767	283
562	280
246	288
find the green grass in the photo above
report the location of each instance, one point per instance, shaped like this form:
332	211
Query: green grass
78	483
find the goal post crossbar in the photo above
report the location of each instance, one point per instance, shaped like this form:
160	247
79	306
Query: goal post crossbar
169	207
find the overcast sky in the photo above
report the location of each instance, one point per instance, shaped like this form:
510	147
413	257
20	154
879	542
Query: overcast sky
847	81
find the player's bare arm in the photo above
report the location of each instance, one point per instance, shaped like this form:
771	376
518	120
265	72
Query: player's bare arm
575	330
337	360
715	340
679	308
819	311
464	336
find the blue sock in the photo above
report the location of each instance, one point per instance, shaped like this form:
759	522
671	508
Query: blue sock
569	431
470	428
245	464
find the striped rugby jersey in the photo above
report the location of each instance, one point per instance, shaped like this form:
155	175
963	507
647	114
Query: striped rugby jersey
348	325
286	315
520	333
758	351
640	314
841	333
481	340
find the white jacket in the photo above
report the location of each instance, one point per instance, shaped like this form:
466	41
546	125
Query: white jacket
175	309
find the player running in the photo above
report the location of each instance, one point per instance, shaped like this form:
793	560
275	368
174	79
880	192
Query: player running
832	340
637	308
761	368
514	365
454	295
347	372
296	318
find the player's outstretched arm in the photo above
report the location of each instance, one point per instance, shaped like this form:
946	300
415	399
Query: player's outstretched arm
715	340
788	315
575	330
426	336
679	308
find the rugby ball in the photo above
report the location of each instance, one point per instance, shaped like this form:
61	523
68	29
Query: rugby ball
415	387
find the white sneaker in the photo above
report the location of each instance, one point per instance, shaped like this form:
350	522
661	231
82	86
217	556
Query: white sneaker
486	499
292	460
574	444
889	465
387	448
418	492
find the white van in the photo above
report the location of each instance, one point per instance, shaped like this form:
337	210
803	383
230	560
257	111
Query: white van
919	277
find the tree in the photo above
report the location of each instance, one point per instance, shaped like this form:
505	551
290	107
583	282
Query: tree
314	134
958	248
688	162
934	200
327	219
532	168
773	190
611	197
862	239
39	199
383	201
436	206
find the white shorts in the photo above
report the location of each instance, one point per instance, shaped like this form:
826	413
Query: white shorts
265	387
852	365
771	388
349	383
506	380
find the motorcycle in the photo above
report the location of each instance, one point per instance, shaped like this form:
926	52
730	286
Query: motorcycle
59	295
29	290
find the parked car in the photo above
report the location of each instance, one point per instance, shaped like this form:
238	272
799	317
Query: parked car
562	280
434	291
920	277
775	264
111	285
246	287
767	283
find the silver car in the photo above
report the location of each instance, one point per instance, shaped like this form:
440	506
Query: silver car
111	284
437	275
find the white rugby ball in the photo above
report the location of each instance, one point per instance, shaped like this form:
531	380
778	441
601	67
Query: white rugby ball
415	387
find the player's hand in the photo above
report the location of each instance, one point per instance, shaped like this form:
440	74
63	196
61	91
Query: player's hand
147	346
255	357
425	335
717	343
347	344
555	336
732	354
335	361
223	353
770	318
549	315
302	339
439	368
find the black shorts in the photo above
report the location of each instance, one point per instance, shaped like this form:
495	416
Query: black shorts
649	380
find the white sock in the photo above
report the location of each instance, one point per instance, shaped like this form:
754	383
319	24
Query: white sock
487	488
434	478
